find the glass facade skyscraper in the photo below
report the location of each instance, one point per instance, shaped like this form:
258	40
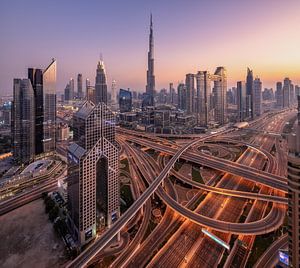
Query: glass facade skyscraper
44	87
93	181
150	87
125	100
203	88
241	101
49	107
249	93
220	89
23	121
36	78
293	213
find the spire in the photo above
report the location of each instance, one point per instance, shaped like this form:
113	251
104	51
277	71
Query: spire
150	86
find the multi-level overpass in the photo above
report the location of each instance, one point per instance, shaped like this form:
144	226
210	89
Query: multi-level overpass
271	222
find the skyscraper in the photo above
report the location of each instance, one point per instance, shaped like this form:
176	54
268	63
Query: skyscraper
72	88
172	94
181	89
23	121
79	86
93	182
220	89
203	97
87	84
294	195
241	101
279	95
297	91
100	85
114	91
68	92
150	87
36	78
256	98
286	92
44	87
249	93
49	125
125	100
190	93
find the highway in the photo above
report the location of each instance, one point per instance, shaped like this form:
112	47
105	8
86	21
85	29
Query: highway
208	248
26	197
258	176
270	256
102	241
269	223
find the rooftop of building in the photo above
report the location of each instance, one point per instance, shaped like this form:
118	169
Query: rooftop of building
85	110
76	150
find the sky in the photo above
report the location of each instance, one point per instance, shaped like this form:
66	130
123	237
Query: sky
189	35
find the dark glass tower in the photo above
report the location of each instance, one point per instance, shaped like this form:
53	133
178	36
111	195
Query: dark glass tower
79	86
49	105
249	93
23	122
125	100
36	78
150	87
44	88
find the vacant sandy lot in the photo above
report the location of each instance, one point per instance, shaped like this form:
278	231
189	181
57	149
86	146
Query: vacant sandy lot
27	239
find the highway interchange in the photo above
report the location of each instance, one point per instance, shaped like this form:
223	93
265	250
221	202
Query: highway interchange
254	182
244	197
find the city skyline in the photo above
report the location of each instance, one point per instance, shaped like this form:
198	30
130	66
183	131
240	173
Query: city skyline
84	36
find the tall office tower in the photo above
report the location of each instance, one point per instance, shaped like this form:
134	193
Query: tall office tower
44	87
36	78
93	181
172	94
49	88
234	95
286	92
114	91
279	95
256	98
72	88
297	91
241	101
293	194
100	85
203	97
162	96
68	93
79	86
249	93
23	121
87	85
150	87
91	94
292	94
190	93
220	89
181	89
125	100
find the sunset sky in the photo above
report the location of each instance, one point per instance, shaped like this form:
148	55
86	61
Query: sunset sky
189	35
